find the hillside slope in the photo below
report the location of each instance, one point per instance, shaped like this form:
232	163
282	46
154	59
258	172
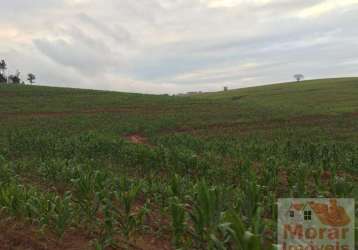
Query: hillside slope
329	96
330	105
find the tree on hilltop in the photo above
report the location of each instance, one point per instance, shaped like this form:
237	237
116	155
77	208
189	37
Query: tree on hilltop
31	78
15	79
299	77
3	67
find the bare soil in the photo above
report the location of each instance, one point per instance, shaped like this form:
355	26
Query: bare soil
137	139
16	235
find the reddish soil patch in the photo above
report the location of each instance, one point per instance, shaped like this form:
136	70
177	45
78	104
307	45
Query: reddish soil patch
15	235
282	180
137	139
326	176
7	94
148	242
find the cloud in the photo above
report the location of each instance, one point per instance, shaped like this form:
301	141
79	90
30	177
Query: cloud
117	33
233	3
325	7
158	46
80	52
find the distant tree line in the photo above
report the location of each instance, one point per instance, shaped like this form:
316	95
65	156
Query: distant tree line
13	78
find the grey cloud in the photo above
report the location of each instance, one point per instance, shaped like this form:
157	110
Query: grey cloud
118	33
84	54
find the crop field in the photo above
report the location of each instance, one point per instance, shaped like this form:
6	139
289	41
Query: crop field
84	169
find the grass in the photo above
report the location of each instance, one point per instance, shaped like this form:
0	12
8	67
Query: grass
204	171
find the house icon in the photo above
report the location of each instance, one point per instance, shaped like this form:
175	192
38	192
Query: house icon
300	212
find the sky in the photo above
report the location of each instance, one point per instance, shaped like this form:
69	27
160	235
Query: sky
175	46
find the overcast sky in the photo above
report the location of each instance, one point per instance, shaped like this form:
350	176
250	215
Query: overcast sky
171	46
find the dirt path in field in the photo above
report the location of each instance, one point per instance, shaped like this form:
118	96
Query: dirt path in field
298	121
67	113
318	120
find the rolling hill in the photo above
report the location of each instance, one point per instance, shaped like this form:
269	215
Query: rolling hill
330	104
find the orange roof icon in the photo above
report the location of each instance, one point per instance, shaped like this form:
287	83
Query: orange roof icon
332	214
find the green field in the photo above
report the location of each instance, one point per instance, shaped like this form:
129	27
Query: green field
84	169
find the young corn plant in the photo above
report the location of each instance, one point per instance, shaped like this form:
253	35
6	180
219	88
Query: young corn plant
12	198
249	196
90	188
109	227
341	187
129	220
8	174
205	215
63	213
241	238
48	210
298	180
176	187
178	221
40	209
270	172
317	178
